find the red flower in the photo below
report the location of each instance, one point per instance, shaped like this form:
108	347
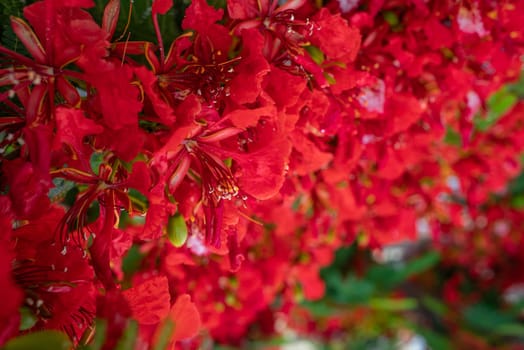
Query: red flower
9	316
109	187
217	182
151	307
31	200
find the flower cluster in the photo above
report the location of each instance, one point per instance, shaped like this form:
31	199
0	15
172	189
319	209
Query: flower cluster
182	184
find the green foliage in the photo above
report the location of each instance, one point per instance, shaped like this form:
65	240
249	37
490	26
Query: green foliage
8	37
165	333
52	340
452	137
129	337
97	158
484	317
140	24
316	54
27	319
132	260
500	103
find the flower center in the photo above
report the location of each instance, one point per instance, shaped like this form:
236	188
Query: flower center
217	180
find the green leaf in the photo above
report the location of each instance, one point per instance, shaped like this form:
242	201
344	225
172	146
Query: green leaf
434	305
452	137
485	318
518	201
93	212
434	340
517	88
391	18
316	54
139	201
422	264
330	78
319	308
510	330
61	189
129	338
97	158
498	104
390	304
132	260
168	326
385	277
40	340
296	203
28	319
355	291
99	336
177	230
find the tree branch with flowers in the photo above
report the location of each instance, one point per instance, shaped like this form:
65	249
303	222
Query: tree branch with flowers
177	174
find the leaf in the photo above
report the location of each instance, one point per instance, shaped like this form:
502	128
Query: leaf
27	319
316	54
51	339
177	230
167	328
99	336
390	304
355	291
385	277
139	201
483	317
61	189
319	308
452	137
434	340
510	330
517	202
97	158
422	264
129	338
434	305
391	18
498	104
132	260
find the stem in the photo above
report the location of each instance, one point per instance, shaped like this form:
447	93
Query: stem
160	42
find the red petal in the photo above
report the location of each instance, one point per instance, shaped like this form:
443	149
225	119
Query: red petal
149	301
26	35
28	189
306	157
150	85
242	9
140	178
186	318
119	99
72	126
220	135
161	6
404	109
68	91
247	84
336	38
243	117
110	19
263	171
200	16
